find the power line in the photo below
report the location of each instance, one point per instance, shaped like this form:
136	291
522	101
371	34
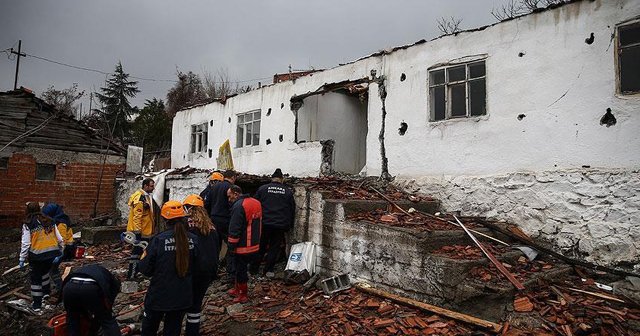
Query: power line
134	77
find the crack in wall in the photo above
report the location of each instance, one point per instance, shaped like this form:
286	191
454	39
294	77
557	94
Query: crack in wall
382	92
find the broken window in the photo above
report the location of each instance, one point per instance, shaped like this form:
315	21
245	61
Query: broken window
458	91
248	129
199	137
45	172
628	56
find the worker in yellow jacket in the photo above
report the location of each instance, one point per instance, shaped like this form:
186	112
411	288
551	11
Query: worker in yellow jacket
140	220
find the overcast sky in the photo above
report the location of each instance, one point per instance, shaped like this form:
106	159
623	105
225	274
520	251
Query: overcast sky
251	39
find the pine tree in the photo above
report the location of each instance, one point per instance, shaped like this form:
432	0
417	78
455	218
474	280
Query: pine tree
116	109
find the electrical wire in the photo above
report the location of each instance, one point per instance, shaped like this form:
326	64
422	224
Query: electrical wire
108	73
29	132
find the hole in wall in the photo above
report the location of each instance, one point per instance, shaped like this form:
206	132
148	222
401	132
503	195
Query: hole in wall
521	54
281	105
281	137
210	122
608	119
403	77
590	39
403	128
229	121
268	141
269	112
521	116
586	166
210	153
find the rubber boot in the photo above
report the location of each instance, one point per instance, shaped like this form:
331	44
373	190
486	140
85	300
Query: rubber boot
242	293
234	291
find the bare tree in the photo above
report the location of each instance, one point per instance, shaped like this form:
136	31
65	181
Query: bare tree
449	26
515	8
63	100
218	84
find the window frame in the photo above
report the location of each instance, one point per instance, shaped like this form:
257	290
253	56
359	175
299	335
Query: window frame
4	163
249	137
46	165
618	55
448	89
199	142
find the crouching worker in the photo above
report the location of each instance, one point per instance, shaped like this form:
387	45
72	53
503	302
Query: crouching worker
170	260
89	293
207	239
244	237
42	246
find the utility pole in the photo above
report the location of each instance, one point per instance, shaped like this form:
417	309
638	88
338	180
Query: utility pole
20	54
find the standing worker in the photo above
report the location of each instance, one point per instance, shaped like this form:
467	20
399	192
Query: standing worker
42	245
140	220
278	216
170	260
214	178
207	239
220	213
63	224
244	238
90	292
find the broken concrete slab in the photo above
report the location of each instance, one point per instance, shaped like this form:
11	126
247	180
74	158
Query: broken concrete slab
100	234
128	287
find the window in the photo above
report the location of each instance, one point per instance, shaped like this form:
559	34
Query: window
45	172
4	163
458	91
199	138
628	56
248	130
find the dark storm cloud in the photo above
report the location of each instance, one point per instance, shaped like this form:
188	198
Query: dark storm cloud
251	39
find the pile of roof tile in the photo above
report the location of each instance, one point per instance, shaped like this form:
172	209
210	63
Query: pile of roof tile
337	188
469	252
415	220
522	269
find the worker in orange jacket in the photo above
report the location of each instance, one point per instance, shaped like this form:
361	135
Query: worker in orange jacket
140	221
245	227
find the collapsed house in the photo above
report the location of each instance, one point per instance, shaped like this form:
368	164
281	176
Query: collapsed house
47	156
531	120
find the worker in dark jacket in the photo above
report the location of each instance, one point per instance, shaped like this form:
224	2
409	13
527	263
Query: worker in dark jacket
220	212
89	292
244	237
278	215
170	260
207	239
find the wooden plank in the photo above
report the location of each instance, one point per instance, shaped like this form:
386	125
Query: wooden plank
600	295
11	292
456	224
495	327
390	201
491	257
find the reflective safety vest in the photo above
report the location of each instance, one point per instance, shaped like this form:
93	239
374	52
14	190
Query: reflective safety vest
245	226
140	213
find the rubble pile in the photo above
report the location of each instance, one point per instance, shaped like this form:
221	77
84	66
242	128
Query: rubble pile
360	189
522	270
280	310
415	220
468	252
565	311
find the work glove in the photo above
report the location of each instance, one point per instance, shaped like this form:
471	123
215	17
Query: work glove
21	264
57	259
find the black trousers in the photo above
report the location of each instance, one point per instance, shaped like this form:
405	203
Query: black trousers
151	322
200	286
40	281
85	299
136	253
242	262
222	227
271	240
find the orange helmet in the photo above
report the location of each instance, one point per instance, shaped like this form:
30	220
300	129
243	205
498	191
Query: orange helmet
216	176
172	209
194	200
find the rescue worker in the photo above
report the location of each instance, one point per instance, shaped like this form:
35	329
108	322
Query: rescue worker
220	213
244	238
214	178
170	260
63	223
278	216
207	239
42	245
140	220
89	292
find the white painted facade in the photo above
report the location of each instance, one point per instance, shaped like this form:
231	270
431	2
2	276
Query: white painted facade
546	92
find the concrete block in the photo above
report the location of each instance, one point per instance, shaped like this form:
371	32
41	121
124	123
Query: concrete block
335	284
99	234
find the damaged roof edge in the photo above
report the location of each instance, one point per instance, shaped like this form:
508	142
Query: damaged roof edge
390	51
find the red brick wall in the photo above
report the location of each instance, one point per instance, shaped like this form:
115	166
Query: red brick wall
75	187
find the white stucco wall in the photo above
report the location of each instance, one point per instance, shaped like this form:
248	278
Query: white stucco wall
538	66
